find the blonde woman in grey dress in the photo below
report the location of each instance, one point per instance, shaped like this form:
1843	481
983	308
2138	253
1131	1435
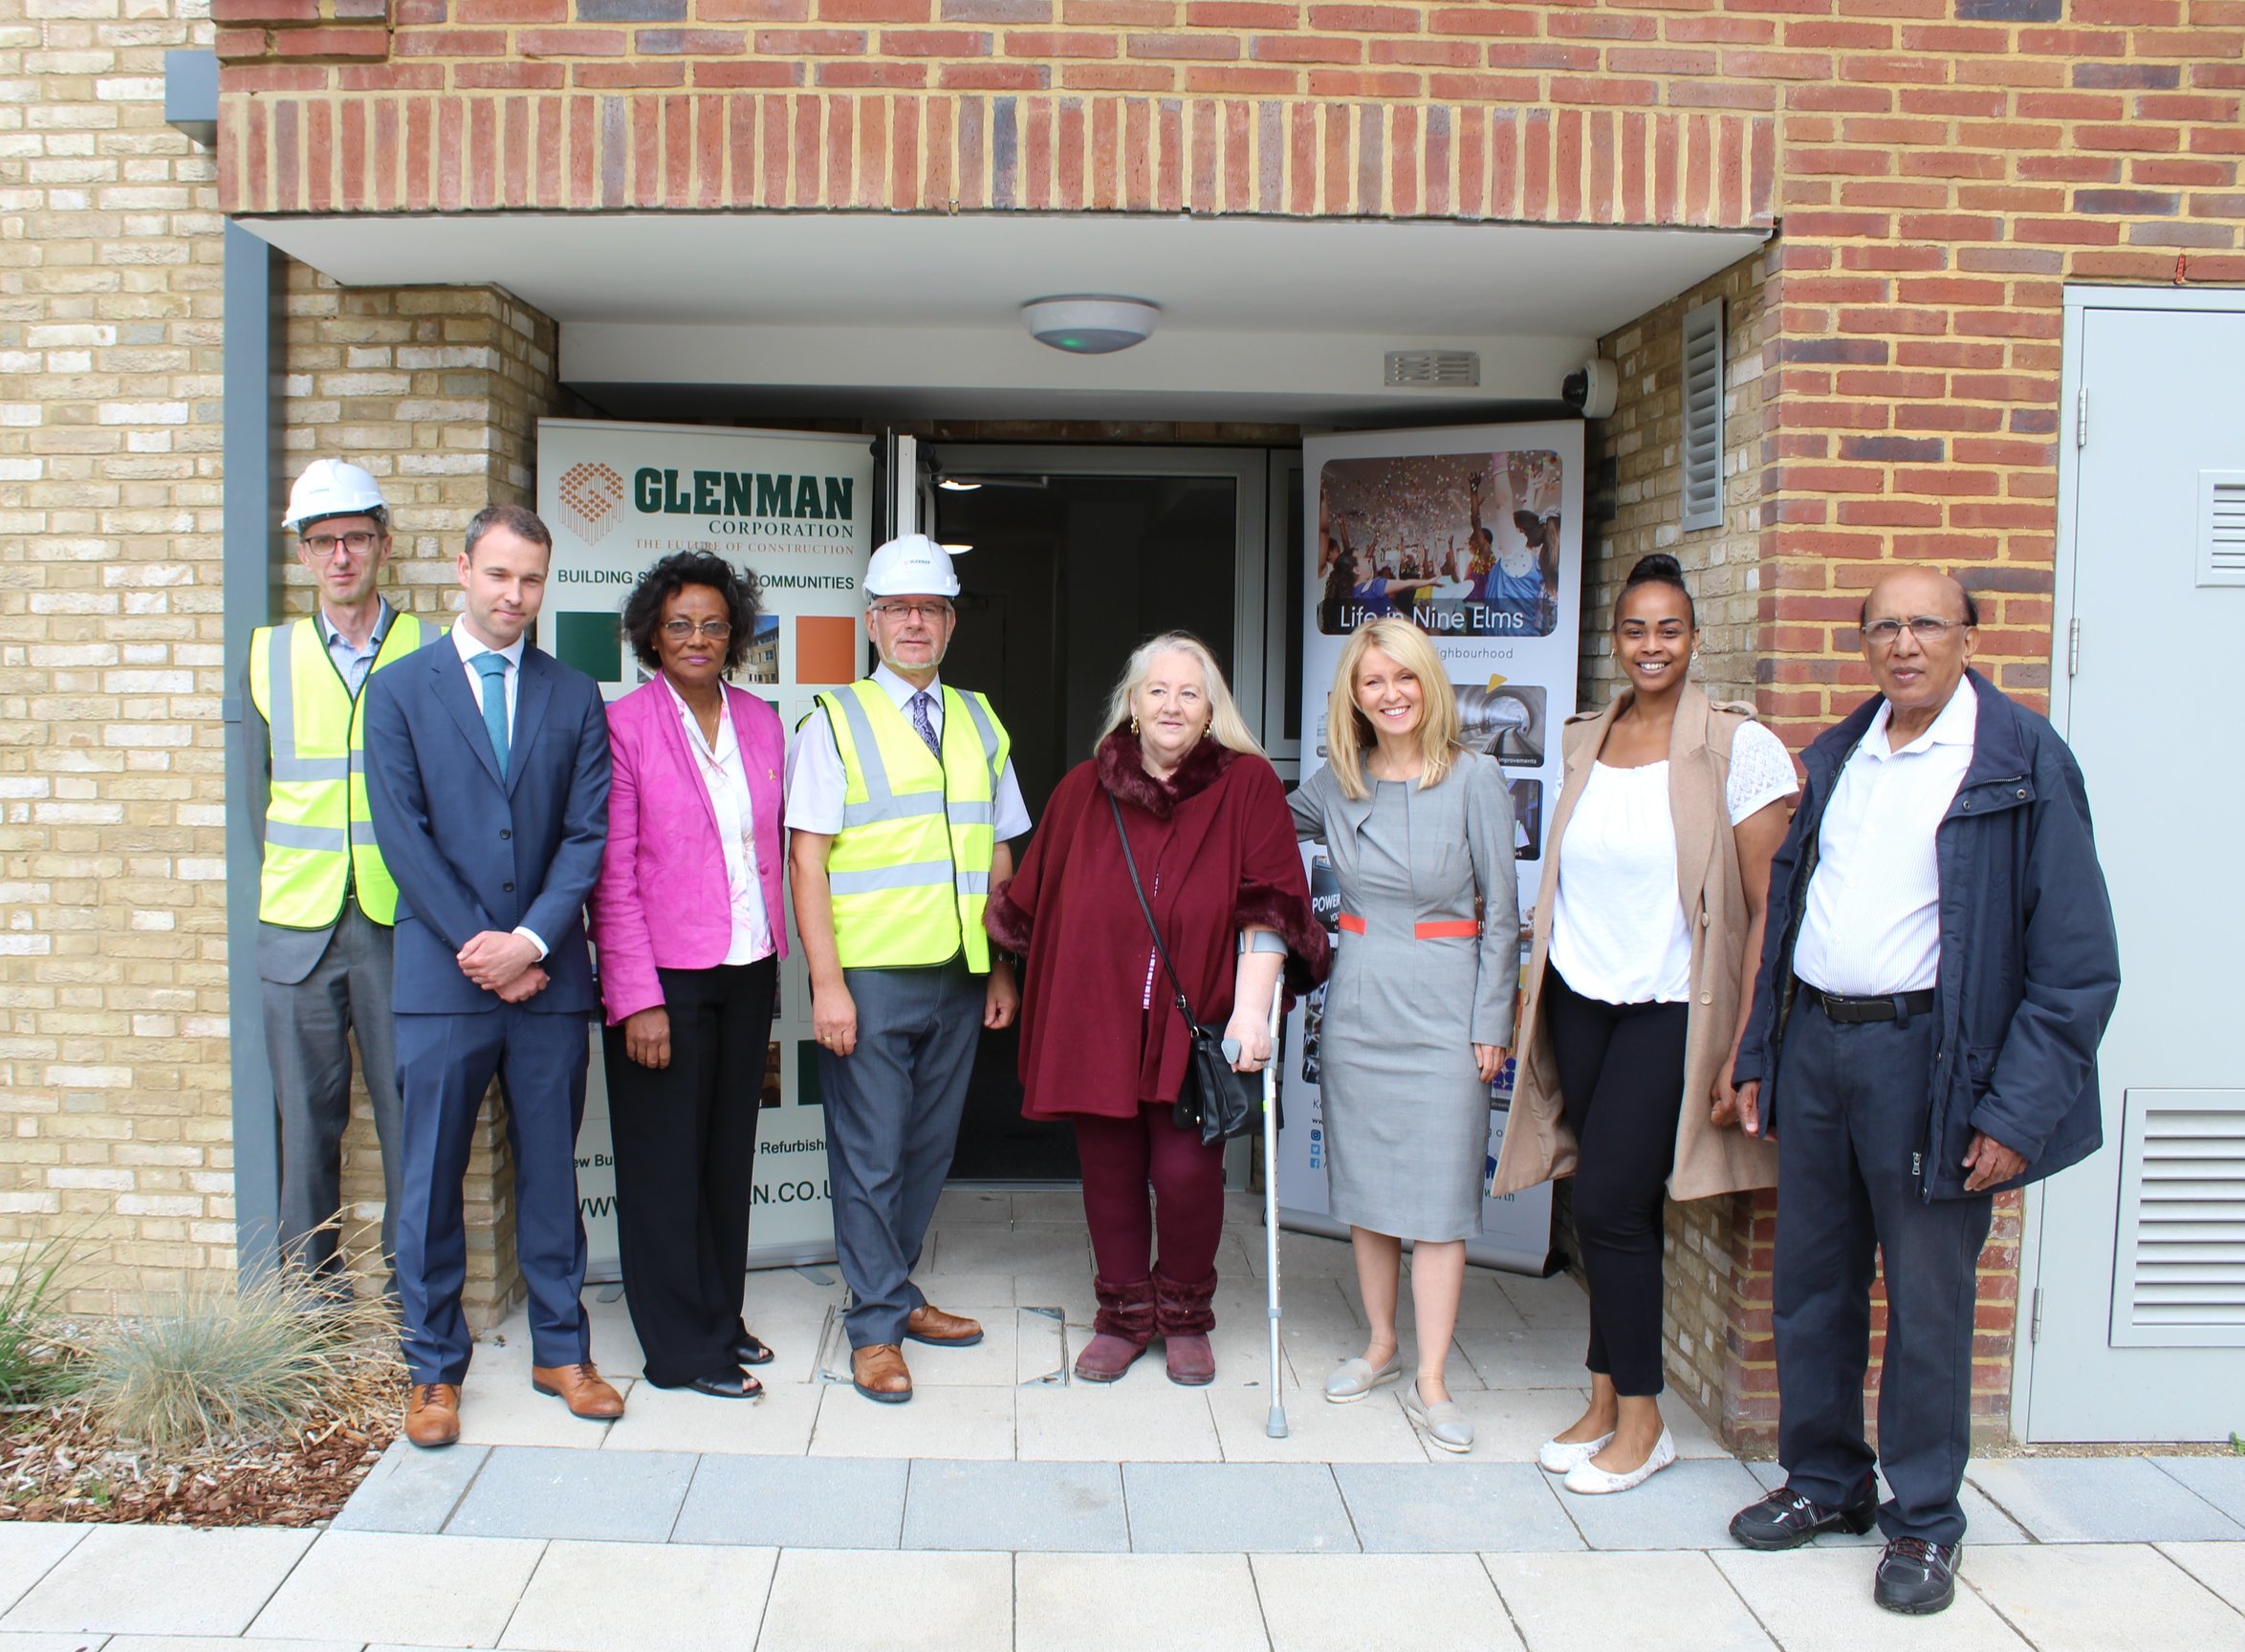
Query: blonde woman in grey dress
1419	1012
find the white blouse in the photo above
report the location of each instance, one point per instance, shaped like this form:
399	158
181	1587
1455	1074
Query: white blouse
725	776
1618	929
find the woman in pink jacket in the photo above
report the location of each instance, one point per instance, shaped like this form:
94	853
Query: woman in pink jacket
690	930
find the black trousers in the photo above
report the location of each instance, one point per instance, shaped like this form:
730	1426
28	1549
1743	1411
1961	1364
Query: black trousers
1621	1070
686	1152
1852	1106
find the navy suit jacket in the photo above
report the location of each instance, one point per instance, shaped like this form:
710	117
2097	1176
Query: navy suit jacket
470	852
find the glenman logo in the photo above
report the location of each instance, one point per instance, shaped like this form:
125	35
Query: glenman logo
592	499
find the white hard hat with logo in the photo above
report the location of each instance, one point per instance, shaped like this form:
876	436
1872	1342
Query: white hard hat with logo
912	566
332	488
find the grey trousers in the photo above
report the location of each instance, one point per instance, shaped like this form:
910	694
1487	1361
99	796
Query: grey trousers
892	1123
307	1028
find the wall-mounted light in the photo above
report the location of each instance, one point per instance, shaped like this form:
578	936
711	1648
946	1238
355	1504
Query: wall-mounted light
1087	324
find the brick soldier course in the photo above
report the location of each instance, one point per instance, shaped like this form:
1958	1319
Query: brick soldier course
1932	171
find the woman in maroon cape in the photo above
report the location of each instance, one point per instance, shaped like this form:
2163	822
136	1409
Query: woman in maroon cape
1102	1042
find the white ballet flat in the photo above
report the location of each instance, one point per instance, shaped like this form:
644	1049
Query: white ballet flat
1354	1379
1586	1479
1558	1456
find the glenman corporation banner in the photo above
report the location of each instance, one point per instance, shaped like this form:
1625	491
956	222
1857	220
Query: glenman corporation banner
1475	535
797	510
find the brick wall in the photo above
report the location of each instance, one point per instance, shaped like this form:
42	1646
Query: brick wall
113	1010
436	391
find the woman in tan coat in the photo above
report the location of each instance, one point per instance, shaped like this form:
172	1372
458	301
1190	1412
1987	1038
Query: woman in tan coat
1647	928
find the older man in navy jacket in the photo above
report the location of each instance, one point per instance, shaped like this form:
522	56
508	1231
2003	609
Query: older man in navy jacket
1939	966
486	776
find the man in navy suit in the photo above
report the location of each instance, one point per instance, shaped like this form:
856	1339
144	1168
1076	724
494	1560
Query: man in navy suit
486	772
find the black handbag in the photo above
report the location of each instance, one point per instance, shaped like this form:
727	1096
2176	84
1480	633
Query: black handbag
1215	1100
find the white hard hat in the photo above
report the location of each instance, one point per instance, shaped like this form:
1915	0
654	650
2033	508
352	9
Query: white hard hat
912	566
332	488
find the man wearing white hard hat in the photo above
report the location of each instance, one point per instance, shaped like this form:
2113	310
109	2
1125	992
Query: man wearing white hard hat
901	803
326	903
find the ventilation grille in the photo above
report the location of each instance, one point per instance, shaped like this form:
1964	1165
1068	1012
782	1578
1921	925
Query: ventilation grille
1440	369
2221	527
2179	1281
1703	415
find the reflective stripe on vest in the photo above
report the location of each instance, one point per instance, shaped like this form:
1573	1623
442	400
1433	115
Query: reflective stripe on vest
319	832
910	870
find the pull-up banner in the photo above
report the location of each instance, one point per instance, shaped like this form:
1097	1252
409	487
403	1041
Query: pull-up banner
797	509
1474	535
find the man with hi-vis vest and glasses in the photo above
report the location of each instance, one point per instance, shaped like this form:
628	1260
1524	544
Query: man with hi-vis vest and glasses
900	802
325	902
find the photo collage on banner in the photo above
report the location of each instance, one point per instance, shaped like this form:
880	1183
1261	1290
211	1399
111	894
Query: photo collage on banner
1474	535
798	510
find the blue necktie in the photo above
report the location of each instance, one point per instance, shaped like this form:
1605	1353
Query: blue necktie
925	724
493	668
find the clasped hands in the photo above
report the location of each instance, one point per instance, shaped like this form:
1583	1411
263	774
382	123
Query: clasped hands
502	963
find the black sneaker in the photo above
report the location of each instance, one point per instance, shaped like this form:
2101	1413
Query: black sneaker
1785	1519
1917	1576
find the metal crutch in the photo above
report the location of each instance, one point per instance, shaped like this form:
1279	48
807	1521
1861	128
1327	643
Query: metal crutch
1275	1426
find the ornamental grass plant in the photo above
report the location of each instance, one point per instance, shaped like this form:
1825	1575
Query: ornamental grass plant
35	1357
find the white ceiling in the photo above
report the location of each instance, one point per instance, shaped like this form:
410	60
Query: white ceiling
919	314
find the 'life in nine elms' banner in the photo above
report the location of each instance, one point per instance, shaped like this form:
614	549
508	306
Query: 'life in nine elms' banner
797	509
1475	535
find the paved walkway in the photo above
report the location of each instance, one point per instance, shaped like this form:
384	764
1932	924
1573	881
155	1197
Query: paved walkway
1005	1508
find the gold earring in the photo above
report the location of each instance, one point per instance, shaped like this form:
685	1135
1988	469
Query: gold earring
1134	726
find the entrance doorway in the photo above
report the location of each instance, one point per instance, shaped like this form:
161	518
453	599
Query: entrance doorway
1077	556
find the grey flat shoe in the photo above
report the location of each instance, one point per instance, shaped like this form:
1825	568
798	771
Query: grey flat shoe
1442	1422
1354	1379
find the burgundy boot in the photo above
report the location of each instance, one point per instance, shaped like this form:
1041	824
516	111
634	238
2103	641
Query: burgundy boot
1123	1327
1184	1315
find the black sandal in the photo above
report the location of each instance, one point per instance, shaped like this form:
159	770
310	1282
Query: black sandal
749	1350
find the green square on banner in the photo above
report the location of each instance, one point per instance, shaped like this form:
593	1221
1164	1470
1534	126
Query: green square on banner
592	642
807	1092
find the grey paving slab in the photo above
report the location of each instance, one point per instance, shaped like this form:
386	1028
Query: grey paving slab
1637	1603
644	1597
75	1642
1984	1522
401	1587
1354	1602
1819	1600
861	1602
412	1489
159	1580
796	1502
1073	1602
1070	1508
2102	1598
545	1491
1236	1508
1405	1508
1686	1505
2219	1480
204	1644
28	1551
2219	1566
2101	1500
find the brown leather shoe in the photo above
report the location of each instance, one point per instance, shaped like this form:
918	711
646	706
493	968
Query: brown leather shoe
931	1325
878	1371
583	1389
432	1414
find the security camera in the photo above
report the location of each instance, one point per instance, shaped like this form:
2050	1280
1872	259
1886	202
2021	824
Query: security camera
1592	389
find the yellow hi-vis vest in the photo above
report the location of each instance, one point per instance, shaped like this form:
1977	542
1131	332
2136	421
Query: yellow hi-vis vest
318	834
910	870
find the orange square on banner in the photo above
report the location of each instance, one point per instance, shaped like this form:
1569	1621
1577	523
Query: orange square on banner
826	648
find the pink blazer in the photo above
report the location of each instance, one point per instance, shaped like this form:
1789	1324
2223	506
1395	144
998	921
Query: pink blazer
662	900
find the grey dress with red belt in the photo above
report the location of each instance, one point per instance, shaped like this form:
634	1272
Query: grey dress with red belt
1428	965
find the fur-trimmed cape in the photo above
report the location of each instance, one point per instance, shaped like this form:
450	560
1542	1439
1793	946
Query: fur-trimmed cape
1215	848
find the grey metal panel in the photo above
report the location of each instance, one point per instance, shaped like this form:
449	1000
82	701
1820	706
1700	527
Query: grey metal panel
190	95
250	508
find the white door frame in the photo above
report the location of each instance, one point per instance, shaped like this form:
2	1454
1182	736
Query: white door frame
2080	301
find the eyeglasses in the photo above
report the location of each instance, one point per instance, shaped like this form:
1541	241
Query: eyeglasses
679	630
1925	627
929	612
323	546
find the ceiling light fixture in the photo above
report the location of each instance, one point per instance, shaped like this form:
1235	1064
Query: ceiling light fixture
953	484
1089	324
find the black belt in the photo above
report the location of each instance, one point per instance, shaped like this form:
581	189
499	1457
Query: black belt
1893	1007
